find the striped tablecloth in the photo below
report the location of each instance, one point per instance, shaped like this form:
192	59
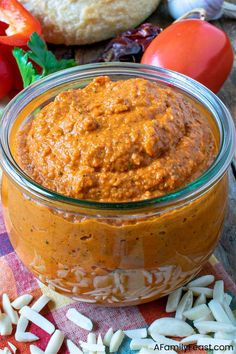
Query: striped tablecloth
16	280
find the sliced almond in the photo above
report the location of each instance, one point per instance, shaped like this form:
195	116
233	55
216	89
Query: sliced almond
35	350
55	342
229	312
185	304
100	342
91	347
223	335
203	281
107	337
5	325
25	337
197	312
218	311
213	341
37	306
208	317
40	303
22	301
229	351
200	300
205	291
160	339
163	351
213	326
22	324
218	291
116	341
7	308
80	320
37	319
228	298
91	339
73	349
13	347
6	351
192	339
147	351
136	333
171	327
173	300
137	344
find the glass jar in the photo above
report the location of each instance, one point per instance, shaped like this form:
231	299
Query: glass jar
115	253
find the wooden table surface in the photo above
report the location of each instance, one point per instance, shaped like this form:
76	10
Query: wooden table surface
226	250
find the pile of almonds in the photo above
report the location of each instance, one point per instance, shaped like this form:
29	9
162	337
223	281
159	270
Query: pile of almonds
202	316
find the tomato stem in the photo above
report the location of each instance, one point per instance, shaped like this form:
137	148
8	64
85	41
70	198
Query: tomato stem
198	11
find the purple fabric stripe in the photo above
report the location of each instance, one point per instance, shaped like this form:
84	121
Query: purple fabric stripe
25	281
5	244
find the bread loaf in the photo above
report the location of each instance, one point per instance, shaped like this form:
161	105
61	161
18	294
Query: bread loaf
87	21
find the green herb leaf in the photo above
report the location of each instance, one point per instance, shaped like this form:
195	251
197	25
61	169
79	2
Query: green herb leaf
28	72
44	58
40	55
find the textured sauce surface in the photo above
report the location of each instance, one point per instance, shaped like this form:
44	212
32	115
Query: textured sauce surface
117	141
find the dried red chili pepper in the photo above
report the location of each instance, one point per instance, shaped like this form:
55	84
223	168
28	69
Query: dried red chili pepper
130	45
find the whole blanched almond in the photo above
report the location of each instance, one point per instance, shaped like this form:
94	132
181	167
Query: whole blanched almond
197	312
173	300
171	327
203	281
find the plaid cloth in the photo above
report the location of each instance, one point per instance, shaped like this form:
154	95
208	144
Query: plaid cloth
16	280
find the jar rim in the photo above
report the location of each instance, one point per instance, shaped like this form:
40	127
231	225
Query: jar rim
167	77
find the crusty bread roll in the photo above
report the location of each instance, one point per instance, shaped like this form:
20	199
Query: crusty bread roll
88	21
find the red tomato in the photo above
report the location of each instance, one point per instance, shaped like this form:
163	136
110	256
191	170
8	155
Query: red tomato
194	48
6	77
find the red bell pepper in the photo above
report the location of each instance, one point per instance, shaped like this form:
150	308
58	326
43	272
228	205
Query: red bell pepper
21	24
